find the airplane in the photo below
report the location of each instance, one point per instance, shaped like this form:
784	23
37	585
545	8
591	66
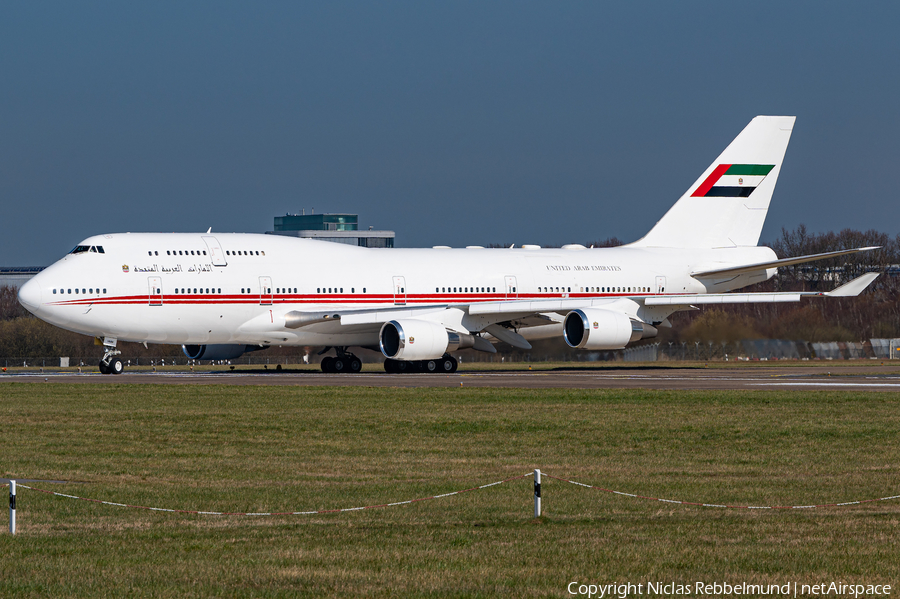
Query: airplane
222	295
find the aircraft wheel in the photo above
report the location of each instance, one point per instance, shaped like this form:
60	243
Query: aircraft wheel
404	367
454	364
354	364
430	365
328	364
389	366
104	369
116	366
446	364
339	364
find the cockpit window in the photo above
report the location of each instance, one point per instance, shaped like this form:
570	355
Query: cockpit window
80	249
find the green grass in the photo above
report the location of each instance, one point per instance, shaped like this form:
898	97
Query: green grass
246	448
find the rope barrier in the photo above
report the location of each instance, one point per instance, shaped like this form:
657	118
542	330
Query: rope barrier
306	513
537	494
731	507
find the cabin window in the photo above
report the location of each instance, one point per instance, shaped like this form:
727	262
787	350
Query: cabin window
364	289
168	253
204	252
54	292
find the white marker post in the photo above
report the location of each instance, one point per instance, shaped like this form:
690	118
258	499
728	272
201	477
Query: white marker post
537	493
12	507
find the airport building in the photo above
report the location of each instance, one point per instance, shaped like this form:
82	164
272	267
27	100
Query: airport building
16	276
337	228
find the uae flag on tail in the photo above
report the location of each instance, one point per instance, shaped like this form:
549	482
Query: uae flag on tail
733	181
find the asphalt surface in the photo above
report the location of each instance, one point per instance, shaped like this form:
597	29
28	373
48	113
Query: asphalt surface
846	376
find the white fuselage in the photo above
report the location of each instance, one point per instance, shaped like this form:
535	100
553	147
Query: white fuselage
236	288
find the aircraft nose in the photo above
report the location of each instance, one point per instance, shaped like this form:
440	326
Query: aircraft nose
30	295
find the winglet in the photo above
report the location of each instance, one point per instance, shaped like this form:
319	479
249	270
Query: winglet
854	287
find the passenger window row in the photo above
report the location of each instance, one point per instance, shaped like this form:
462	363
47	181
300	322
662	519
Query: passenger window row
465	290
188	290
83	291
614	290
79	249
335	290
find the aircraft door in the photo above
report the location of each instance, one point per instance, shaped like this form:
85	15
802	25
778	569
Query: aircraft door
512	291
215	251
265	291
399	291
660	284
155	291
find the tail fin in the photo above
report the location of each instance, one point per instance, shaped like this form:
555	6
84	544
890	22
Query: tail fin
727	205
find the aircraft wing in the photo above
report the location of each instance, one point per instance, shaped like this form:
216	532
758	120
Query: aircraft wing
851	289
740	270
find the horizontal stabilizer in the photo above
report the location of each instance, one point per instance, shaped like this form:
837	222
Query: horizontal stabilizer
740	270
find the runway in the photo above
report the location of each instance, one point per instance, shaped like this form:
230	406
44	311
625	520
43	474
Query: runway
855	377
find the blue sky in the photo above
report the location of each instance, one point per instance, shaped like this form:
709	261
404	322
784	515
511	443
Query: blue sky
452	123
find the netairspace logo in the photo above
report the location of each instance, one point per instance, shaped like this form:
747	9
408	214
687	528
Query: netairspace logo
723	589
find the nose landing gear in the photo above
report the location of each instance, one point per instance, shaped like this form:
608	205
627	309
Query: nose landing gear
110	363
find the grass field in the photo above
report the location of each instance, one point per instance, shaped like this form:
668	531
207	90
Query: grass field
261	449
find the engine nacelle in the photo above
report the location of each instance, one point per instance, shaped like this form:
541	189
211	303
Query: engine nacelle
595	328
419	340
224	351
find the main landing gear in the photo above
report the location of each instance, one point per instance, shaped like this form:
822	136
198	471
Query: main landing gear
343	362
110	363
445	364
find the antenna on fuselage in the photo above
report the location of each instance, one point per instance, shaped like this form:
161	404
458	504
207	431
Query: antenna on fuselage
209	230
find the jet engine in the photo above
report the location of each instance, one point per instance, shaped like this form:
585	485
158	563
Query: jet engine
420	340
594	328
224	351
